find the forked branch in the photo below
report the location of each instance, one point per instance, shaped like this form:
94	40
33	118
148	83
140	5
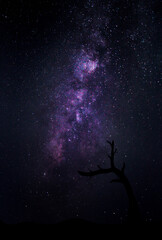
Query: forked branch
133	211
102	170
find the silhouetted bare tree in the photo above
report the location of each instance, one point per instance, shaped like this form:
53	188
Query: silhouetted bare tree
133	210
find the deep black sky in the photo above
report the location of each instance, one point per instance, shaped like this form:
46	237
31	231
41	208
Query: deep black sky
43	47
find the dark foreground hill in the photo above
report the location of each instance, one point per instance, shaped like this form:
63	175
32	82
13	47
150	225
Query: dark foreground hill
74	222
66	222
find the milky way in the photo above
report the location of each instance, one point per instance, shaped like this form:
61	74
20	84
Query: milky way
77	119
78	123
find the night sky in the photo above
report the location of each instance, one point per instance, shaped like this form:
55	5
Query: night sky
74	74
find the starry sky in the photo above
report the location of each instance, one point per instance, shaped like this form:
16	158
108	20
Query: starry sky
72	75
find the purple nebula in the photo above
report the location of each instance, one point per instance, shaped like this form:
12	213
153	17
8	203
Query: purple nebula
77	121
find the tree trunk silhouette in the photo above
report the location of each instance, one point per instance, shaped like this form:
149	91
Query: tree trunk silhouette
133	210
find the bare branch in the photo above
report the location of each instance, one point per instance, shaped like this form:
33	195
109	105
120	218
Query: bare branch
109	143
99	166
112	169
97	172
109	156
134	215
116	150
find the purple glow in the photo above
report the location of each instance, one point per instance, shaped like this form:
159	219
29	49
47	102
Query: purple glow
77	122
78	117
85	66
